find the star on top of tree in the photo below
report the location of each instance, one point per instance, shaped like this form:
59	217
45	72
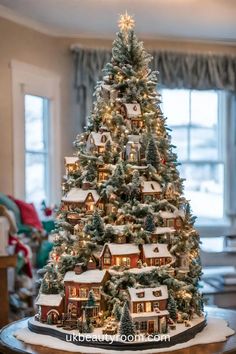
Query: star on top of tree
126	22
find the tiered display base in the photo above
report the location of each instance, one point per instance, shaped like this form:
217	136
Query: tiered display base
180	335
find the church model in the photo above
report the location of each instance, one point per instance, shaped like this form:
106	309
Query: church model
125	259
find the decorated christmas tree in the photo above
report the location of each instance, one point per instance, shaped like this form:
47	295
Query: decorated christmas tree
125	236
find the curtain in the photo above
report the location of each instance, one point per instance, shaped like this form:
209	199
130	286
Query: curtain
176	70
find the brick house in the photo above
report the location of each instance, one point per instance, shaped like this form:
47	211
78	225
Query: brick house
51	307
77	285
163	232
172	219
114	254
156	254
148	307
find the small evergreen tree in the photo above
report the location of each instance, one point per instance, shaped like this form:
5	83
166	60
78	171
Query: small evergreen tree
149	224
172	308
91	300
117	311
127	328
152	156
135	185
97	226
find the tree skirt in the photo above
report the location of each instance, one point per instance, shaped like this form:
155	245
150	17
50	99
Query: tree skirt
217	330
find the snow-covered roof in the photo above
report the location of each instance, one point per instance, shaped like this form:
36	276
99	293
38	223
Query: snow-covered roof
169	214
156	250
90	276
132	109
79	195
151	187
163	230
148	294
98	137
49	299
117	228
122	249
70	160
147	315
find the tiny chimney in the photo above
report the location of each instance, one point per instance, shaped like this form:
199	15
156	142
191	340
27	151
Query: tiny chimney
91	264
78	268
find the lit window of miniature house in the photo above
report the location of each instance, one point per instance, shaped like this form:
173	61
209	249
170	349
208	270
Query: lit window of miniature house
172	219
103	173
71	164
132	150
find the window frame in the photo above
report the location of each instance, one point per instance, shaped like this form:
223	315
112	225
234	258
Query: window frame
227	110
33	80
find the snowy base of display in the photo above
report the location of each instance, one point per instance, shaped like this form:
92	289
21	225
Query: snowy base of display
216	330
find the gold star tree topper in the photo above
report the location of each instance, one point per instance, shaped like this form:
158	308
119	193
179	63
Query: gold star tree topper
126	22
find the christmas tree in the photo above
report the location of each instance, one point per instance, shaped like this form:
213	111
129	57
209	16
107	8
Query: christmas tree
123	210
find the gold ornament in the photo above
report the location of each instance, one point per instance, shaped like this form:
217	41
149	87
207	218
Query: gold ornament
126	22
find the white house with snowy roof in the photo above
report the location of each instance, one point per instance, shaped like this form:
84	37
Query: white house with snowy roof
148	307
113	254
97	142
150	190
82	199
156	254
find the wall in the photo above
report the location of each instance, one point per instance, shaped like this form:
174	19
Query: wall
51	53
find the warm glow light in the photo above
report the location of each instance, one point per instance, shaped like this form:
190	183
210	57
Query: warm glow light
126	22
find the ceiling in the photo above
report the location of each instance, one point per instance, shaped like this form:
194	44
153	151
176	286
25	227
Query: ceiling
204	20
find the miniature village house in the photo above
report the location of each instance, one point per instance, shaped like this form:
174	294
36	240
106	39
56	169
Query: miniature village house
162	232
132	112
71	164
148	309
156	254
172	219
103	173
82	199
150	190
132	151
50	307
77	286
97	142
125	255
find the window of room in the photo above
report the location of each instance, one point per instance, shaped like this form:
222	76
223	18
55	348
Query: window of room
36	134
196	119
37	172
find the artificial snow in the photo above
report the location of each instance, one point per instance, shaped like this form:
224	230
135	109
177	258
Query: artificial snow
172	215
163	230
89	276
48	299
151	187
217	330
148	294
156	250
78	195
70	160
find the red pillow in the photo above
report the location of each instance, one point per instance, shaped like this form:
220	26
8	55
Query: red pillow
29	214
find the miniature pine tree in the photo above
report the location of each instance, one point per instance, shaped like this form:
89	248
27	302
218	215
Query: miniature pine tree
172	308
127	328
149	223
152	156
91	300
117	311
97	225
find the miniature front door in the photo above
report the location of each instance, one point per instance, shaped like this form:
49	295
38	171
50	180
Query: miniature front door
150	326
